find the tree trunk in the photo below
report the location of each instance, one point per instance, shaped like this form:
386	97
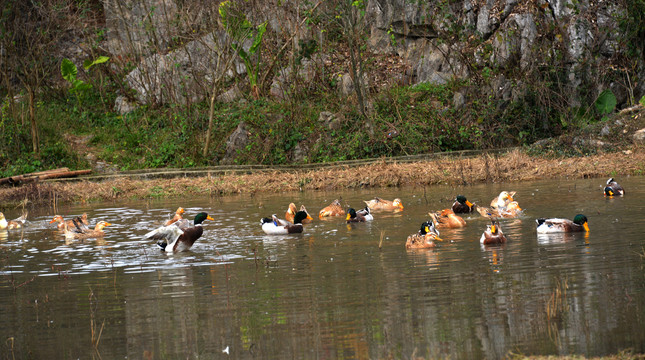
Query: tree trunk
207	143
32	117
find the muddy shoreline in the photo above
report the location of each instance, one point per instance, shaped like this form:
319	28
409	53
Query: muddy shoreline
512	166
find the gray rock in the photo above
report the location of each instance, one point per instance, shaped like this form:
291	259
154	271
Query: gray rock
123	106
230	95
238	140
140	27
331	121
299	153
181	76
458	100
304	72
346	85
639	137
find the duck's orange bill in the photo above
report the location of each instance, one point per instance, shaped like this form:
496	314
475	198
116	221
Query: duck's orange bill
309	217
493	229
586	226
438	238
469	203
107	224
349	217
209	218
53	220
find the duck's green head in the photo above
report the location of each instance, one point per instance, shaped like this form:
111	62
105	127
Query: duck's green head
351	213
582	221
199	218
462	200
300	215
426	227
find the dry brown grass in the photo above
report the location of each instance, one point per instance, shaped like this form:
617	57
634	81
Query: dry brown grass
513	166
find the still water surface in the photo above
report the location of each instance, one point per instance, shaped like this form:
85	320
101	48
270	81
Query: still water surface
331	292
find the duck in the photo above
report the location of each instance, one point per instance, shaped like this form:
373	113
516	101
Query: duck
613	188
502	200
493	234
462	205
359	216
70	223
180	235
275	226
12	224
424	238
555	225
79	231
333	209
512	210
446	218
380	204
177	217
291	213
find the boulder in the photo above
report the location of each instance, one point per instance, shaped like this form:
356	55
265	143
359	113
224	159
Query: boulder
639	137
331	121
238	141
304	72
123	106
184	75
140	27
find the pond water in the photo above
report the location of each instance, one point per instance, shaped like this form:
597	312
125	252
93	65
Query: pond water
331	292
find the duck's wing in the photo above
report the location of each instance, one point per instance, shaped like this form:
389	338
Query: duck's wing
169	233
183	224
22	219
279	222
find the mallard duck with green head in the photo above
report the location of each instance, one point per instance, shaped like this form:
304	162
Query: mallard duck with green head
424	238
555	225
493	234
179	236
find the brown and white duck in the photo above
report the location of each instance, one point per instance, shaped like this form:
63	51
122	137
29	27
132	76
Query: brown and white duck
179	236
333	209
424	238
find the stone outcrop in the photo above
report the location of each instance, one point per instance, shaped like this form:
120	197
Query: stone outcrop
184	75
235	143
140	27
439	41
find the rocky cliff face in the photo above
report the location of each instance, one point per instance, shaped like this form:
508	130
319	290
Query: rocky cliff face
444	40
505	43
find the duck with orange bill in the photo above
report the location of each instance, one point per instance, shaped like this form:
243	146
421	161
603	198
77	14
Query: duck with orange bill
12	224
424	238
462	205
613	188
502	200
493	234
70	223
176	217
275	226
447	218
79	231
556	225
291	214
362	215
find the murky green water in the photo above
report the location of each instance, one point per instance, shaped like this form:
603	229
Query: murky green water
331	292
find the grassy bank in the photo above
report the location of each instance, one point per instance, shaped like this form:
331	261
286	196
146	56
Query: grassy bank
513	166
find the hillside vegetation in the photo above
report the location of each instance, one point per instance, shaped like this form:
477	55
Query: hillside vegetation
61	81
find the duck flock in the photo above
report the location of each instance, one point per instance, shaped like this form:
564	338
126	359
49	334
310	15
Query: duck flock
179	234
